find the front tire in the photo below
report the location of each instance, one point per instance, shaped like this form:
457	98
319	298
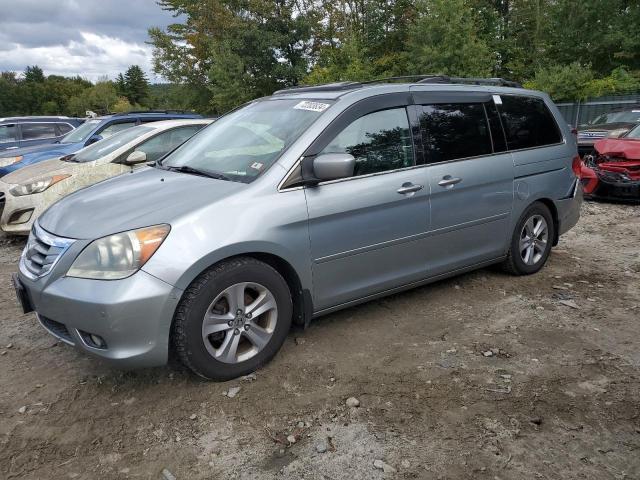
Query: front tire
531	241
232	319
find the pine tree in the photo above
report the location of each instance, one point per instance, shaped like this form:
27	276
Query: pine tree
135	83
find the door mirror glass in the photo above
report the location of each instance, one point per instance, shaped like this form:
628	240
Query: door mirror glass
332	166
93	139
136	157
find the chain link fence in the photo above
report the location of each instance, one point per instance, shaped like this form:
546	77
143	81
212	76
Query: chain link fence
581	112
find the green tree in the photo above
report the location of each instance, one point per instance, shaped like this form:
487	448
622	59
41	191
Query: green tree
121	105
34	74
444	39
101	97
121	85
133	85
234	50
563	82
577	82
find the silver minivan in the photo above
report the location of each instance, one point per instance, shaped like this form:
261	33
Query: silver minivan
297	205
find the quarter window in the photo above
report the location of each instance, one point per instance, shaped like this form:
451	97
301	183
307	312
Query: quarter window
115	128
455	130
33	131
7	133
380	141
528	122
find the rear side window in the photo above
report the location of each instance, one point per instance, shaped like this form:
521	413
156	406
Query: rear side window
454	130
64	128
8	133
528	122
380	141
33	131
161	144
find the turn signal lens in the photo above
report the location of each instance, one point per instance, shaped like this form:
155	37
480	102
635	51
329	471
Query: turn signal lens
150	239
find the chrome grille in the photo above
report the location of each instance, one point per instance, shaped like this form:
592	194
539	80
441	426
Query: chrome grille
589	135
42	252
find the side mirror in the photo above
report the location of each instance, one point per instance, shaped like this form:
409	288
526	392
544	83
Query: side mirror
328	166
94	139
137	156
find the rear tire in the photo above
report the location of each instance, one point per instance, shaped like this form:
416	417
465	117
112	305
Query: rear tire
232	319
531	241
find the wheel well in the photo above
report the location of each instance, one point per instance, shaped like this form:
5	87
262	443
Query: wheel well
547	202
301	301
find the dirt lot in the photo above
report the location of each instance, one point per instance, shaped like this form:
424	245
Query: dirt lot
482	376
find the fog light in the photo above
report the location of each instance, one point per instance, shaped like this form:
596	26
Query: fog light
20	216
93	340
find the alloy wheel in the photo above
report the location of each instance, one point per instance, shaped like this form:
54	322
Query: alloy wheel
533	239
239	322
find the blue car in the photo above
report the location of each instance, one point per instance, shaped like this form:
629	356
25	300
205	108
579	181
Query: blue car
91	131
17	132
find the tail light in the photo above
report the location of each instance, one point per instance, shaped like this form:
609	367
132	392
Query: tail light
576	165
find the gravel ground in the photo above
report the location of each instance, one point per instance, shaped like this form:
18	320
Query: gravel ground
483	376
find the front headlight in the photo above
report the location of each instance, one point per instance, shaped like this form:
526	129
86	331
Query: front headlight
37	186
120	255
6	161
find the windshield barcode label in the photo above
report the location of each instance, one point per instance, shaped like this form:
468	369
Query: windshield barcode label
312	106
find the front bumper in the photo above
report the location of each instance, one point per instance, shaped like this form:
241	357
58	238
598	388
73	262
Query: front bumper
599	185
28	206
133	316
616	191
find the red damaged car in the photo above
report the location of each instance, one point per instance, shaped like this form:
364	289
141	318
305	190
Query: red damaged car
612	172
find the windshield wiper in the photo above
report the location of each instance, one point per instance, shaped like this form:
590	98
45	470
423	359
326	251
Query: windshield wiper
196	171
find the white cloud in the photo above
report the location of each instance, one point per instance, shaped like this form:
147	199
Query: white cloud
91	38
93	57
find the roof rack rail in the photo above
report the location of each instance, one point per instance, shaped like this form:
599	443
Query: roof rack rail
439	78
495	81
429	78
321	88
138	112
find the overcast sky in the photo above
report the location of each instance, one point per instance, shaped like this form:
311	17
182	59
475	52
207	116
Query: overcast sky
91	38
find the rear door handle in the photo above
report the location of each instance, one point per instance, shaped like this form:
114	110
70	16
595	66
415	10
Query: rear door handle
449	181
409	187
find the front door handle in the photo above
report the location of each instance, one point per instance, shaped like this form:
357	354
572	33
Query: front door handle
408	187
449	181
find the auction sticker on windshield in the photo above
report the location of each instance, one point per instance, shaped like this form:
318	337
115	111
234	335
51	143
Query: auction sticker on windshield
312	106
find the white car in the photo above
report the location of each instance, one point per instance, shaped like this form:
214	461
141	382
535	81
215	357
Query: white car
31	190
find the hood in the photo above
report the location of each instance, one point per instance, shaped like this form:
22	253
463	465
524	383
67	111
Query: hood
56	149
606	127
625	148
45	169
147	197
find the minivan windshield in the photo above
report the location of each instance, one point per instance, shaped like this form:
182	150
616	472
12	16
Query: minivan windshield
81	133
634	133
245	143
109	145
